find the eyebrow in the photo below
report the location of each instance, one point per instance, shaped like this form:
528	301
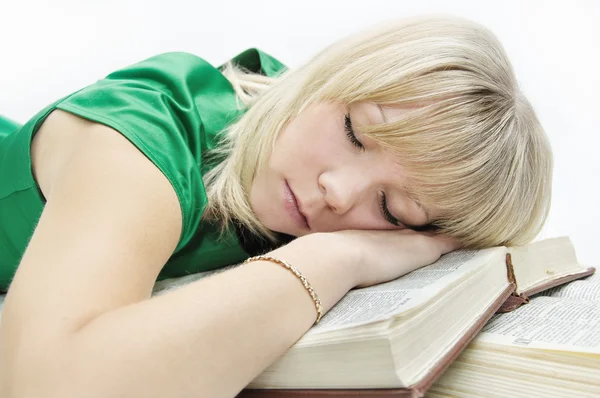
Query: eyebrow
382	114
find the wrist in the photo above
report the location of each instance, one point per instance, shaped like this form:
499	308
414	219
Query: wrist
336	252
347	247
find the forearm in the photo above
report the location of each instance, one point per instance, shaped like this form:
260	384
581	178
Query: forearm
211	337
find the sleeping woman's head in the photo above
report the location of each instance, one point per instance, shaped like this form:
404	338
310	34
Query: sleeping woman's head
414	124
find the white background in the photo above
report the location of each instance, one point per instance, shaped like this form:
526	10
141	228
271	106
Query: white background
51	48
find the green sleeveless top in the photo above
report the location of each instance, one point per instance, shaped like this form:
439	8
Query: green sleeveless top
171	107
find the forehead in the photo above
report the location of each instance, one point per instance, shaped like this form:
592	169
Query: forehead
378	114
391	113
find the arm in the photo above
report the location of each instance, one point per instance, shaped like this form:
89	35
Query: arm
78	320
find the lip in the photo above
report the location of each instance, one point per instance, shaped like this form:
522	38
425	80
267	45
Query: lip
292	207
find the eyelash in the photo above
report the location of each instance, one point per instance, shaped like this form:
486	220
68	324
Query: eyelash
350	133
352	137
386	212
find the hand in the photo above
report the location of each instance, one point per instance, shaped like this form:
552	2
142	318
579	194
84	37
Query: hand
381	256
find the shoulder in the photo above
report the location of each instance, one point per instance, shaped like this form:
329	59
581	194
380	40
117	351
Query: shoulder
252	59
182	63
174	71
165	106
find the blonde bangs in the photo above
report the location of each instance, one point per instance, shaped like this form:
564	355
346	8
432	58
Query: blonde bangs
488	180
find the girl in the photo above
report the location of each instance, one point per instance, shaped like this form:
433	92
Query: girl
388	149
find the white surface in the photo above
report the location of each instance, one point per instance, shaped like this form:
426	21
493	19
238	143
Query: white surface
51	48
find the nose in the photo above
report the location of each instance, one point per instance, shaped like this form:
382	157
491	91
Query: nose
341	192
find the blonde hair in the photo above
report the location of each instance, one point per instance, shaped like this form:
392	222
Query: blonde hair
471	144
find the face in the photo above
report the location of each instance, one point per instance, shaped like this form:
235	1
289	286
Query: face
323	176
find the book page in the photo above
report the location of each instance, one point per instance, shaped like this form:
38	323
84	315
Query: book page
379	302
587	289
565	318
539	263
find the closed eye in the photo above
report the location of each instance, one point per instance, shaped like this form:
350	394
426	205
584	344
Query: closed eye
391	219
383	201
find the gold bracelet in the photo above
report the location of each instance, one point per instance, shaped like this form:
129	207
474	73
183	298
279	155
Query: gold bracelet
294	271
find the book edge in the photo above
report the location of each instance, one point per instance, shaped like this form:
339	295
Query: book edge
414	391
560	281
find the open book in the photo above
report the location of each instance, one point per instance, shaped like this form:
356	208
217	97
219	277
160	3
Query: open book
549	348
397	338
